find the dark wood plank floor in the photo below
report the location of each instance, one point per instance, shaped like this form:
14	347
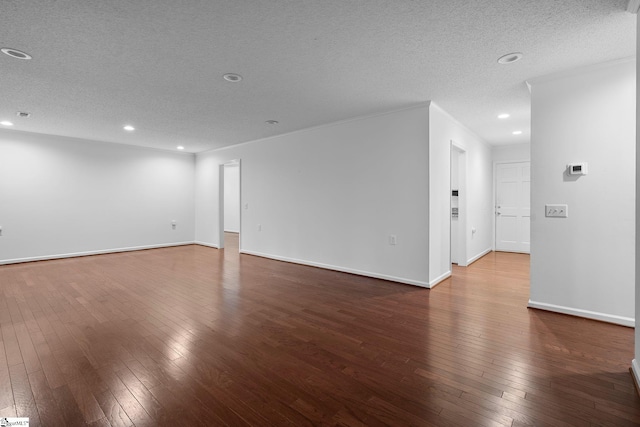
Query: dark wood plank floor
197	336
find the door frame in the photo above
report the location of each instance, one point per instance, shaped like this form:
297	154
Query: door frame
495	195
221	202
463	261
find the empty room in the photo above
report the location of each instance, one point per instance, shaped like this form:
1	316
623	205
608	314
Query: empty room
300	213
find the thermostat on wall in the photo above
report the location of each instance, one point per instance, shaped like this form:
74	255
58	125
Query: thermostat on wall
577	168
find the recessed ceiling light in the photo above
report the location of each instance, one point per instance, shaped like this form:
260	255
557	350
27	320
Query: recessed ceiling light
510	58
180	147
232	77
517	132
23	114
6	123
272	122
15	53
503	116
128	128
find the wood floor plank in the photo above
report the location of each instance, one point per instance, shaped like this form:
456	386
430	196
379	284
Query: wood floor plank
25	403
132	408
6	392
68	406
48	410
86	400
114	413
197	336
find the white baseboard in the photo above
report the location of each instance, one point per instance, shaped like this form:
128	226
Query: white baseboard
477	257
635	371
341	269
209	245
87	253
603	317
439	279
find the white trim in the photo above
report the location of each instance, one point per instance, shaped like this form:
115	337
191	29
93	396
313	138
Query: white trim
514	252
341	269
209	245
87	253
438	280
324	125
633	7
502	162
635	371
603	317
480	255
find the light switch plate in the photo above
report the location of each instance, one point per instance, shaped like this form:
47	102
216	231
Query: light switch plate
556	211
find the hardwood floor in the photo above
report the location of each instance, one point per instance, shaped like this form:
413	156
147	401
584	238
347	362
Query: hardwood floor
197	336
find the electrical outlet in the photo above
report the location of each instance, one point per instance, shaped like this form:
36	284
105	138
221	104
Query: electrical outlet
556	211
393	239
174	223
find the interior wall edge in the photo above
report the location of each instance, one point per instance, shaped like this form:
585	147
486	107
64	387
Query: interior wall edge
580	70
593	315
478	256
635	373
440	279
208	245
95	252
401	280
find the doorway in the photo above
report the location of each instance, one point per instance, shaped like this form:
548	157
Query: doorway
457	214
229	205
513	211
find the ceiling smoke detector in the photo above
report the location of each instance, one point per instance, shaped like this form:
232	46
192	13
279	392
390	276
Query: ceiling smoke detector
23	114
15	53
232	77
510	58
272	122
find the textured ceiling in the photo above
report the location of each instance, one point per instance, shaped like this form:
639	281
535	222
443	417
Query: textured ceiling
158	64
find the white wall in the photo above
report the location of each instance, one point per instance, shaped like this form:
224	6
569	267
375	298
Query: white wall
479	175
584	264
511	153
63	196
332	195
636	368
232	198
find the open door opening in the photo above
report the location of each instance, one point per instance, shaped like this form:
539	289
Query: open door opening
458	205
229	203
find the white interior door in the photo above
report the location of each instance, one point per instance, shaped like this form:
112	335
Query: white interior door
513	189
